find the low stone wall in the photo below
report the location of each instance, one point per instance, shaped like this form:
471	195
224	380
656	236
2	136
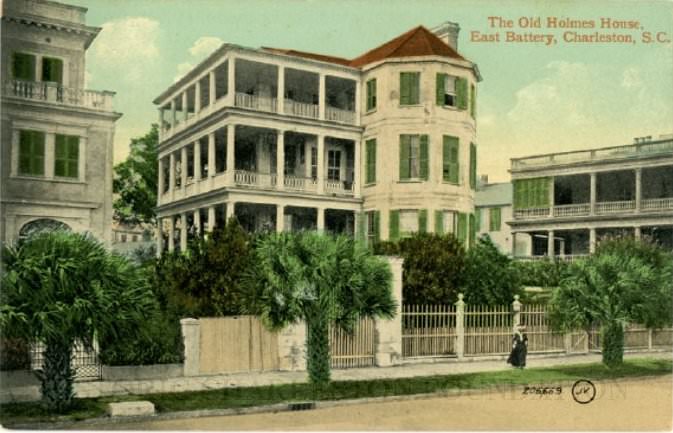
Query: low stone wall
15	378
142	372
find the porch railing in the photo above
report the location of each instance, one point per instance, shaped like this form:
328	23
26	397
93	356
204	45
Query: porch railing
608	207
297	183
572	210
253	178
539	212
338	187
255	102
55	93
655	204
301	109
339	115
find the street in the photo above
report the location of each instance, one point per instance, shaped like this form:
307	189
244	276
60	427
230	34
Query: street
644	404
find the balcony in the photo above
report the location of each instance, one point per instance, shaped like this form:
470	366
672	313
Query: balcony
572	210
657	204
539	212
57	94
614	207
257	103
301	109
254	179
339	115
338	187
303	184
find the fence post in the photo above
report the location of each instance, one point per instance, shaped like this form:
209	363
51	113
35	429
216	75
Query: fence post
389	332
292	347
568	342
649	339
460	326
191	336
516	307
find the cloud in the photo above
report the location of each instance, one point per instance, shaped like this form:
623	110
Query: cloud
127	45
202	48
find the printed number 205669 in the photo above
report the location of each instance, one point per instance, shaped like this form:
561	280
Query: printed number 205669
542	390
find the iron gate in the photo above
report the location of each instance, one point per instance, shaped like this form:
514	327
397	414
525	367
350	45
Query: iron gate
85	362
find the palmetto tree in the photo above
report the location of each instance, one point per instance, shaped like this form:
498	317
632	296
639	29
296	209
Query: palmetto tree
624	281
319	279
60	287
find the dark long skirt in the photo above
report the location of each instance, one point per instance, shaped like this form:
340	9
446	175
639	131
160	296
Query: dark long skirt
519	351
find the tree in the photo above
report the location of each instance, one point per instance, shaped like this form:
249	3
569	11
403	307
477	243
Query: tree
624	281
433	267
135	181
60	287
490	276
206	280
321	280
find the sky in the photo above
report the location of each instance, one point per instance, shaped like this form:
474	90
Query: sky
534	98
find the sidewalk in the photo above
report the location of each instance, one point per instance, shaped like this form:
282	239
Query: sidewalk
202	383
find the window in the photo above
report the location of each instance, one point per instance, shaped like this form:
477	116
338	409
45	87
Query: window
410	88
477	220
372	227
446	90
531	193
52	70
461	227
408	222
450	164
473	166
461	93
473	232
473	101
314	163
23	67
123	237
371	94
414	157
334	165
31	153
66	163
494	219
370	163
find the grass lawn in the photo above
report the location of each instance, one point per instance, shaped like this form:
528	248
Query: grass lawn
265	395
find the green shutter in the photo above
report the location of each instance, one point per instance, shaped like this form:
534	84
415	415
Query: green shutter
450	164
370	176
415	87
405	150
477	219
52	70
461	232
473	166
361	233
440	91
377	229
394	225
66	162
405	89
371	94
24	67
461	93
424	158
473	231
423	221
439	222
473	101
494	219
31	153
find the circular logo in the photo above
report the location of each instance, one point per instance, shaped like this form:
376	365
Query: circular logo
583	391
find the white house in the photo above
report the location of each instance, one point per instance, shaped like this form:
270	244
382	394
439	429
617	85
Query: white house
381	145
57	136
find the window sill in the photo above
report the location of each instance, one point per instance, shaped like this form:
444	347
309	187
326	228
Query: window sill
414	180
47	179
411	105
372	111
367	185
446	182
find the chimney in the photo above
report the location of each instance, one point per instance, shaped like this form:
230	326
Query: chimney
448	32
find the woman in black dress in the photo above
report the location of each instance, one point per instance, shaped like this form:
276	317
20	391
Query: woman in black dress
519	348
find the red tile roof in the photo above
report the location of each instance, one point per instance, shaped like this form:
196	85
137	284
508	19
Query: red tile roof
416	42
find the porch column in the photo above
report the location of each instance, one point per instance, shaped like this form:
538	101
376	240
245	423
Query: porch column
280	218
171	234
321	164
321	220
231	145
357	169
211	155
551	197
639	188
321	98
637	233
230	210
183	168
280	160
211	87
358	103
211	218
184	106
160	237
550	243
161	124
197	160
171	174
160	180
197	96
281	90
592	240
513	249
231	81
173	113
197	220
183	232
592	194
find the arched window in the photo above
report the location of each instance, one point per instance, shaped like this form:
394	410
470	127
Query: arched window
41	225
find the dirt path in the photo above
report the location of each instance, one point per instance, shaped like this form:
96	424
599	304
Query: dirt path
645	404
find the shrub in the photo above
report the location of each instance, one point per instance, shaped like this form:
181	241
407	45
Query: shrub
14	354
541	273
